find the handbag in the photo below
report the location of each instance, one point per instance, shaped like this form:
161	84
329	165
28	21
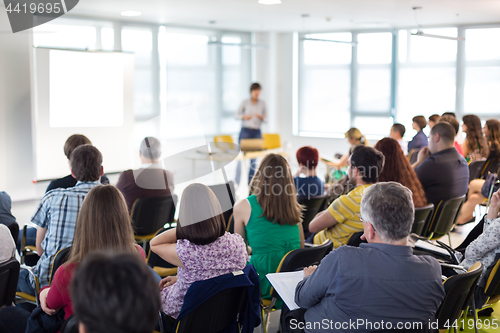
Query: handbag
40	322
490	182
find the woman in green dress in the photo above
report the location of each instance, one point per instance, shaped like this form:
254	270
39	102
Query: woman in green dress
270	218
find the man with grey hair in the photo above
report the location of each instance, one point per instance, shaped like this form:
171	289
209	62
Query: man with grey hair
379	286
150	180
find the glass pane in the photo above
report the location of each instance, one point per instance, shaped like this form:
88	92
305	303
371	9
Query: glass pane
325	101
328	53
108	39
482	87
231	89
375	48
424	91
140	42
143	96
373	125
231	54
403	45
374	89
427	49
482	44
187	49
65	36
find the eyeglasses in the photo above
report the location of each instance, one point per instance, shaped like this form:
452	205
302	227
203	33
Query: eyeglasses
361	219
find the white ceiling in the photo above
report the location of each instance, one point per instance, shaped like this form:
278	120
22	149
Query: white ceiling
248	15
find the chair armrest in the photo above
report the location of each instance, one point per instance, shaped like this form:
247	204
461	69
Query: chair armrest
453	266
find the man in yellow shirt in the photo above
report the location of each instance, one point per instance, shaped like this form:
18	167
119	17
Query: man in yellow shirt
341	219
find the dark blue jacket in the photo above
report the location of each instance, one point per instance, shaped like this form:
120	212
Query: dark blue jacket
201	291
419	141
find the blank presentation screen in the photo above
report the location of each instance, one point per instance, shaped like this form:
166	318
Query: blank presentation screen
86	89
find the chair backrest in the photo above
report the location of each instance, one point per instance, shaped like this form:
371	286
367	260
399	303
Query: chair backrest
490	166
312	207
422	216
301	258
14	230
475	168
459	291
413	155
59	259
230	224
445	216
227	197
9	274
222	139
355	239
70	325
493	282
216	313
271	141
151	214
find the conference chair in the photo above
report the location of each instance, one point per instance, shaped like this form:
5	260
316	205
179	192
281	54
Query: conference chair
14	230
59	259
490	166
422	216
355	239
149	215
413	155
444	218
230	224
70	325
9	274
227	197
159	265
312	207
459	293
28	254
475	169
293	261
271	141
222	139
492	288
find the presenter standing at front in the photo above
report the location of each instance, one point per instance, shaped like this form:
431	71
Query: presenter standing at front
252	113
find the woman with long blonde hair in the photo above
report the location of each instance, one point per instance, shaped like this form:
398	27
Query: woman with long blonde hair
270	219
355	138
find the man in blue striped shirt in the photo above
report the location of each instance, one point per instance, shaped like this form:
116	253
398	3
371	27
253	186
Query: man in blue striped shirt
57	213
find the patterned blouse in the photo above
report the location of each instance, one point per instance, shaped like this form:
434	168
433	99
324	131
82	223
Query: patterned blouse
485	247
202	262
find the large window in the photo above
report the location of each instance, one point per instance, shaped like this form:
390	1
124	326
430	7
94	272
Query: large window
392	76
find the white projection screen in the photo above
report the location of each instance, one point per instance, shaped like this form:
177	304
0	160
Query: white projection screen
81	92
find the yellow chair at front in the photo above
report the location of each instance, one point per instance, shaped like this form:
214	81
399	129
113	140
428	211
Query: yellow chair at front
271	141
221	139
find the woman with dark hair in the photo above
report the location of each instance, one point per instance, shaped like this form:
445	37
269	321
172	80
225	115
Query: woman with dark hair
310	185
433	120
200	246
270	219
420	139
397	168
475	197
474	146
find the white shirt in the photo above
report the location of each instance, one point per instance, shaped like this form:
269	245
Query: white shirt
404	146
247	108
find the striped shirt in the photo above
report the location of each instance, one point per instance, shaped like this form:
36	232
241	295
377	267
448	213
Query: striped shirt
57	213
345	210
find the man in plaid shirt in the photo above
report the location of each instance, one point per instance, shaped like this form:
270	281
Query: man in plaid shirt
57	213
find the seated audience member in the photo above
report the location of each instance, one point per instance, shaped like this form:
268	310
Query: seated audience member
442	171
341	219
6	217
270	219
451	114
7	245
57	213
355	138
433	120
150	180
475	145
456	126
476	196
200	246
69	181
420	139
310	185
115	292
381	281
103	224
397	133
397	168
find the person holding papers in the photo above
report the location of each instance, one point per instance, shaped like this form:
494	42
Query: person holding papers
379	282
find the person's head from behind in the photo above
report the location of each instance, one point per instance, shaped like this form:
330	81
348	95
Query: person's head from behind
365	165
449	113
442	137
354	137
397	131
395	160
308	157
200	216
419	123
114	292
86	163
255	89
275	190
103	223
387	212
74	141
433	120
452	121
150	150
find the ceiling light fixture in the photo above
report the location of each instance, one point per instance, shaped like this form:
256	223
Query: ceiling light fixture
270	2
243	45
423	34
329	40
131	13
